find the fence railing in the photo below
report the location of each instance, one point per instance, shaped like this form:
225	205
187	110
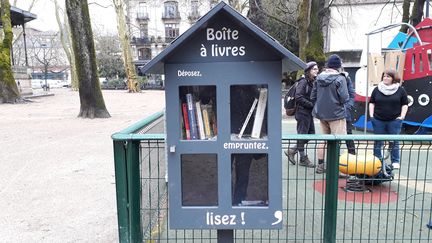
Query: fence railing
316	207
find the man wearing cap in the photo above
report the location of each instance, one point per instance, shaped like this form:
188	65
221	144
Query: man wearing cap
330	94
303	114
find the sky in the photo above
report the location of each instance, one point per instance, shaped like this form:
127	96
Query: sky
103	18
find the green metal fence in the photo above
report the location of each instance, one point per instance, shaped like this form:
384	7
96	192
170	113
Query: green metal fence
317	207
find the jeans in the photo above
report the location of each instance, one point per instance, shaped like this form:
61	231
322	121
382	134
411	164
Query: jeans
350	143
387	127
242	164
305	125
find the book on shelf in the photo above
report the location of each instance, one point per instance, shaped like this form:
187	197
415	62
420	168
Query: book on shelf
259	114
211	111
192	117
200	122
206	120
186	121
213	121
249	115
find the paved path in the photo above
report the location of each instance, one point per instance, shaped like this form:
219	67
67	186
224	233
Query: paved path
57	170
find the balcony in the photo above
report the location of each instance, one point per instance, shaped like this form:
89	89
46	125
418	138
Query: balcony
140	41
169	39
171	16
142	16
193	16
144	58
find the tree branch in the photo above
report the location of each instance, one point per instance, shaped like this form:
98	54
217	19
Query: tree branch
100	5
382	9
274	17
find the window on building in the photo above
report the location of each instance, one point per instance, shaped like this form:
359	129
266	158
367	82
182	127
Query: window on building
171	9
142	10
143	28
144	54
194	8
171	31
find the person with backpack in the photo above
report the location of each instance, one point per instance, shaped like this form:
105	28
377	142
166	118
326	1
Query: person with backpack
303	113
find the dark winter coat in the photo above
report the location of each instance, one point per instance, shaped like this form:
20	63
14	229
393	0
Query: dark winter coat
349	106
302	98
330	94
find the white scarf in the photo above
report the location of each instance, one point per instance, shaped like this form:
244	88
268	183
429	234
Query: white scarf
388	89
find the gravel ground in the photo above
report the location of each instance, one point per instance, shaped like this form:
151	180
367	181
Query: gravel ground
57	170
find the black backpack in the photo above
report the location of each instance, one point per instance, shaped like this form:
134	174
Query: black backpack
289	100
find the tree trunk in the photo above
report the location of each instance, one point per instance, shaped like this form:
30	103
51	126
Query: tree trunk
74	74
303	26
8	88
417	12
255	15
315	46
91	99
405	15
124	38
66	44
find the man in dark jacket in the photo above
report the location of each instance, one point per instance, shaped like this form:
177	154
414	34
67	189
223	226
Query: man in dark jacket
349	107
303	115
330	95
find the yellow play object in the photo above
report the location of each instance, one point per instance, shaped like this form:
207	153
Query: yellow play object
360	164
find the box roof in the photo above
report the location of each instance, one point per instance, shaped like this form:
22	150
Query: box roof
290	62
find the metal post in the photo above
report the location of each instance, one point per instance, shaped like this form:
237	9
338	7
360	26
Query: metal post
134	190
121	191
44	46
331	195
427	9
367	85
25	45
225	236
12	55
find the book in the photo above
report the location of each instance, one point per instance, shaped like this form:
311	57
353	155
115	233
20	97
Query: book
192	118
200	122
186	121
248	118
259	114
211	110
213	121
206	121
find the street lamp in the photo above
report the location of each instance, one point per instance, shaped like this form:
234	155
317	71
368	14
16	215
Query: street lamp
44	46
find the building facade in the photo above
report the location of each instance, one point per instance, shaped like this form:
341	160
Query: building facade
153	24
47	62
350	20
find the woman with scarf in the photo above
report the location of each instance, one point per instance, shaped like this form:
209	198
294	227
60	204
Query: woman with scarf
387	109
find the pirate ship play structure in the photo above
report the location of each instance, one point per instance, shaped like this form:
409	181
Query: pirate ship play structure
411	56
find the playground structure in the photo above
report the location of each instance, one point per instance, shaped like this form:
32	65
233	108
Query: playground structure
411	56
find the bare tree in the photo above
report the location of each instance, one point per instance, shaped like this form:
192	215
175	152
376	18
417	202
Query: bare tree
109	57
8	88
296	24
46	55
124	37
417	12
239	5
65	38
91	99
310	21
405	15
278	18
